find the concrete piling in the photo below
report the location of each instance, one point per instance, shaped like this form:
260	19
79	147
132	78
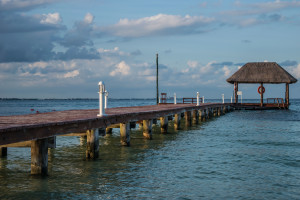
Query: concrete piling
147	129
195	116
177	118
39	157
188	119
92	144
164	124
108	130
125	134
3	152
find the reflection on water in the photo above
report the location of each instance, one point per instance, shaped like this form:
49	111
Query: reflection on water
241	155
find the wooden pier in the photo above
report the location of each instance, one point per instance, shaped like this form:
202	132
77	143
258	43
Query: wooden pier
38	131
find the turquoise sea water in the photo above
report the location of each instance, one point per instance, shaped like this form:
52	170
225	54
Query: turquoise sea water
240	155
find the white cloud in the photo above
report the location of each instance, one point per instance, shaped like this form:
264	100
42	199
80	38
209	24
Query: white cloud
296	71
51	18
159	25
121	69
89	18
227	71
71	74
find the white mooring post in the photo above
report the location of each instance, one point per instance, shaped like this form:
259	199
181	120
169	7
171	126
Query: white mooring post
106	97
203	99
175	101
231	99
198	96
101	103
223	99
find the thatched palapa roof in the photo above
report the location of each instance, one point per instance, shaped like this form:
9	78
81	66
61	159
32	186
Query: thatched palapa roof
261	72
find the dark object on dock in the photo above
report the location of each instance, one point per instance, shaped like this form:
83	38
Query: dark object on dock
163	97
262	72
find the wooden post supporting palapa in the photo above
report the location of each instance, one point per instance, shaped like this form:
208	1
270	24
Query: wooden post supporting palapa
147	128
164	124
92	144
287	95
188	119
39	156
177	118
236	89
125	134
3	152
261	96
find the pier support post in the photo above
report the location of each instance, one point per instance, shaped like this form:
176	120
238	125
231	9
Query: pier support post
39	156
125	134
188	120
3	152
92	144
177	118
147	129
164	124
201	115
219	111
82	140
204	116
195	116
108	130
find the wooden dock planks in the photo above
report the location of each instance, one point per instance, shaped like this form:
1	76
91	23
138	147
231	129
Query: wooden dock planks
37	126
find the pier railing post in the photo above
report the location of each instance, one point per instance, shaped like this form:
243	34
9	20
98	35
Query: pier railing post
39	156
223	98
203	99
198	98
92	144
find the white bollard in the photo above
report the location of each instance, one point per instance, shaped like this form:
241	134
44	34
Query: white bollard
231	99
106	97
203	99
198	96
159	100
101	103
223	98
175	101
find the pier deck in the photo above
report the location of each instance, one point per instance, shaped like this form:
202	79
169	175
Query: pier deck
38	131
37	126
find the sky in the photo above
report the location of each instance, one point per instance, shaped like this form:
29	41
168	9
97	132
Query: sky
63	48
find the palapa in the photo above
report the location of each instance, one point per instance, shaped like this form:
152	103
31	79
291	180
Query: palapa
262	72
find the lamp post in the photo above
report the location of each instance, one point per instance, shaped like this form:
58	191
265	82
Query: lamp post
106	97
175	101
101	103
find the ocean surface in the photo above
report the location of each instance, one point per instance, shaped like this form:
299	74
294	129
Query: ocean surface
240	155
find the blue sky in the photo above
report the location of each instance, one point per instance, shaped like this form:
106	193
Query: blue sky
62	49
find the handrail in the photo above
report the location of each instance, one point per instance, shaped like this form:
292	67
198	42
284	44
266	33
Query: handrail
277	101
191	100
